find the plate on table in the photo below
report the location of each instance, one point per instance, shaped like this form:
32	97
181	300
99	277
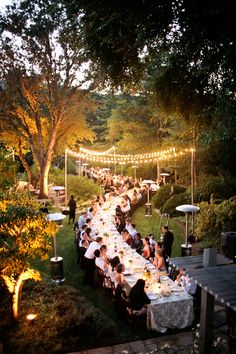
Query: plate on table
130	278
152	296
164	277
151	266
177	289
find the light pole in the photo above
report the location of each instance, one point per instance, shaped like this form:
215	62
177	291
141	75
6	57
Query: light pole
85	168
78	162
65	176
122	164
135	168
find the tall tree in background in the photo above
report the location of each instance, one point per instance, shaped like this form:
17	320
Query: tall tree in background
43	100
195	40
130	126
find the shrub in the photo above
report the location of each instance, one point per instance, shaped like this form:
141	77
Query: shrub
213	219
65	322
215	186
164	193
82	188
174	201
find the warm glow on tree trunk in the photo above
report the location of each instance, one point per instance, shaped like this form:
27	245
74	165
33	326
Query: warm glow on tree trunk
15	286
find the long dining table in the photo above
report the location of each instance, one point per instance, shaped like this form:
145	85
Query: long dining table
171	306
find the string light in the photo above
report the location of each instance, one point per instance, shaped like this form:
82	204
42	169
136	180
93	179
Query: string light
138	159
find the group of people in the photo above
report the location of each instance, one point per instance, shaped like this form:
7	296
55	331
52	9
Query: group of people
92	251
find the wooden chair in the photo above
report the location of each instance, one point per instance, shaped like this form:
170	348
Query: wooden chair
99	277
108	284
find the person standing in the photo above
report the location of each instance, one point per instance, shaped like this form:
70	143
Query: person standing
72	209
89	261
167	242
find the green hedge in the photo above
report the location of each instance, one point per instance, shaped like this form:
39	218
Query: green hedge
213	219
174	201
164	193
218	187
82	188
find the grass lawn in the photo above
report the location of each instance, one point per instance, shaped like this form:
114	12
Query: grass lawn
152	224
74	275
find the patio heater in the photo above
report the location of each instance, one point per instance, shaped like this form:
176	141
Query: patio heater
148	205
164	175
56	262
186	248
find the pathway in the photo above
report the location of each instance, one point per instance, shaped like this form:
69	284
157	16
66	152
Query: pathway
181	343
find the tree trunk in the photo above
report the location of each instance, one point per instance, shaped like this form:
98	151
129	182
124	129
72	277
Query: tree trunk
27	168
43	180
15	298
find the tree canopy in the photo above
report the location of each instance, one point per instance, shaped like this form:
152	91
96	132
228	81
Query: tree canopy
191	44
43	100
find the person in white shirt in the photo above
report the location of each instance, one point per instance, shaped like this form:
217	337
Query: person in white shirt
128	225
187	283
82	219
102	261
89	260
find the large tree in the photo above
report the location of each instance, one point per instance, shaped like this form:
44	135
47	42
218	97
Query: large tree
192	44
43	100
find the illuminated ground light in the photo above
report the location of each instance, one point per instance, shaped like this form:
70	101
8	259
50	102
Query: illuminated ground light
31	317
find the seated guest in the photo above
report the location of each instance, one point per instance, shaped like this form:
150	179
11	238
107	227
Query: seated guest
91	212
159	261
82	219
125	205
138	299
81	252
90	225
121	301
137	243
133	231
187	283
127	237
119	277
146	249
128	225
158	246
152	244
101	260
133	198
86	235
119	225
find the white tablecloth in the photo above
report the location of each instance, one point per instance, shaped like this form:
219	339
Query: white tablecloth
173	311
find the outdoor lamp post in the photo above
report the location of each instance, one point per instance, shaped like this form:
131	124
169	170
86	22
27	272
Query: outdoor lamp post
186	248
78	162
122	164
148	205
56	262
85	167
135	168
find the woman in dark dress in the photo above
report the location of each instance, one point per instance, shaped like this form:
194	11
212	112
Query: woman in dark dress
72	209
138	299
